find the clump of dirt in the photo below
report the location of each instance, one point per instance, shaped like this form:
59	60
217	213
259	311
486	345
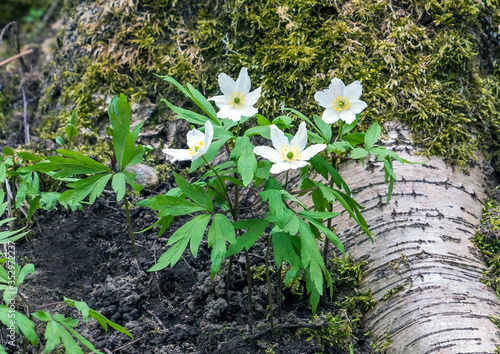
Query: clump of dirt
87	256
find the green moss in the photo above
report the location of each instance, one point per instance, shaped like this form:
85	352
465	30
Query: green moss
391	292
421	62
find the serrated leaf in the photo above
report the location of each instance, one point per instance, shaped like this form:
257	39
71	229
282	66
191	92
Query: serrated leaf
119	186
168	205
246	161
195	228
195	193
254	227
221	230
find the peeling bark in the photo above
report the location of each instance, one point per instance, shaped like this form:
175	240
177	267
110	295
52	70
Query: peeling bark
423	253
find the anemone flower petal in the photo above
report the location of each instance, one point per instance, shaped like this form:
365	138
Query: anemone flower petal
300	139
324	98
312	151
353	91
347	116
178	154
194	136
337	87
278	138
227	85
253	97
357	106
209	134
330	116
280	167
243	82
268	153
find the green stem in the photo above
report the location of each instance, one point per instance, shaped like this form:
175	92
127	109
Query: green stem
249	284
278	291
329	225
269	286
220	180
132	239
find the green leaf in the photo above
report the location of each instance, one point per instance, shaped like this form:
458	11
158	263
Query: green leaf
119	114
328	233
8	151
347	128
176	84
311	256
21	323
202	102
323	168
168	205
104	322
195	193
358	153
338	147
119	186
187	115
193	229
85	161
26	156
81	189
220	231
262	130
355	138
283	122
325	128
261	120
276	205
255	228
71	131
286	247
372	135
389	175
246	161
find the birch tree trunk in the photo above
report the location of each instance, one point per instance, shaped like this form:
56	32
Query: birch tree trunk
422	253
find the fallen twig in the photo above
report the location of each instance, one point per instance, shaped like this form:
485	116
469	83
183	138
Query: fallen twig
17	56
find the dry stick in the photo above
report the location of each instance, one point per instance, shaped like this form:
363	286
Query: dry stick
128	344
130	231
25	108
17	56
17	47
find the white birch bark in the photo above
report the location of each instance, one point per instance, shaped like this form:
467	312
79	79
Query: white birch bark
423	244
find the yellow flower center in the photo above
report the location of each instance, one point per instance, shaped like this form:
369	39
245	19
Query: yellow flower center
341	104
237	100
194	149
290	154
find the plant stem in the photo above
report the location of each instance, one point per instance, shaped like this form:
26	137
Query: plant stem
278	291
132	239
220	180
329	225
269	286
249	284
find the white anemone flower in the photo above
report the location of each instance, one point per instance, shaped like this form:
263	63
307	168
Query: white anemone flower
341	102
286	154
198	143
237	101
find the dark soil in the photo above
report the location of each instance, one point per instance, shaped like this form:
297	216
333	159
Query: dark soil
87	256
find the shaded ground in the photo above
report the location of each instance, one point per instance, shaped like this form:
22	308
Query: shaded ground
86	255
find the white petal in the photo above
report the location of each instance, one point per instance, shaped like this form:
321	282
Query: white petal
224	112
178	154
284	166
209	135
219	100
252	97
353	91
194	136
248	111
243	83
312	151
337	87
227	85
280	167
300	139
347	116
268	153
357	106
278	138
324	98
234	115
330	116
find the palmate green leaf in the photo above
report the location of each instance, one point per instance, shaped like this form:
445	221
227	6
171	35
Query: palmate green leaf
119	115
27	156
338	147
372	135
195	193
255	228
81	189
312	263
89	313
77	158
221	230
276	205
328	233
11	236
324	168
192	231
168	205
21	322
287	248
119	186
246	161
358	153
